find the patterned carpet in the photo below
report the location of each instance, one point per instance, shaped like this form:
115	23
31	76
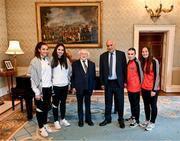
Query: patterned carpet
9	125
167	125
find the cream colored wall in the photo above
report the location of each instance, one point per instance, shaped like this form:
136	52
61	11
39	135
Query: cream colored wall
119	16
3	36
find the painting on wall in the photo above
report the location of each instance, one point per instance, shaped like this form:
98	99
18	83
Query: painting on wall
76	24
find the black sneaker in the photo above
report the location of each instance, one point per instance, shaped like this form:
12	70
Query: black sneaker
133	124
129	119
121	124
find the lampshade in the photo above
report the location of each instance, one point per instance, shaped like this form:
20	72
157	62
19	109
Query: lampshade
14	48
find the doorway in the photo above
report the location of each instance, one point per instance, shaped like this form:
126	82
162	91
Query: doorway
168	51
153	40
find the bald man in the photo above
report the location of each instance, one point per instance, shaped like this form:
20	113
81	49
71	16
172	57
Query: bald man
83	84
113	70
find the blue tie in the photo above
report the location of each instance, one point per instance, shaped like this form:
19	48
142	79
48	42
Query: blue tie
110	65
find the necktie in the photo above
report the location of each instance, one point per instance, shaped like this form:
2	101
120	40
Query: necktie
85	66
110	65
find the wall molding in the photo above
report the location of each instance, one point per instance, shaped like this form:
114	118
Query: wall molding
176	69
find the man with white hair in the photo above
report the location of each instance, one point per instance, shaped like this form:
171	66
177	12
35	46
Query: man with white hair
83	84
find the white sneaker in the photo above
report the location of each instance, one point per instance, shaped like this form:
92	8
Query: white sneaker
64	122
133	124
48	129
43	132
144	124
150	126
57	125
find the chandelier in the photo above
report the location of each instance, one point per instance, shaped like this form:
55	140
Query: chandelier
157	13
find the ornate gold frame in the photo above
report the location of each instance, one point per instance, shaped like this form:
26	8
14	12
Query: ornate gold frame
76	24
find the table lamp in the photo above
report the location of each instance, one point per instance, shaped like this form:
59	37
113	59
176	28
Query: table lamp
14	49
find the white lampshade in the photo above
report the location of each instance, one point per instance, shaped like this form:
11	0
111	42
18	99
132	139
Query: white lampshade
14	48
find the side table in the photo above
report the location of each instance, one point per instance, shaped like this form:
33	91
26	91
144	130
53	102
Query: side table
8	74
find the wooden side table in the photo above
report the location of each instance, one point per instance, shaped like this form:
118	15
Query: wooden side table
9	77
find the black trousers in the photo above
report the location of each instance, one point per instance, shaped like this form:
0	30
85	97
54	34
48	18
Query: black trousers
60	95
134	99
86	97
42	107
150	105
113	89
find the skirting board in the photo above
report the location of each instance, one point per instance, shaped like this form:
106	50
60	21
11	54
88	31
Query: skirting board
173	88
3	91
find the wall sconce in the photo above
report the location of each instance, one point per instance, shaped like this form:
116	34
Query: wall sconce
14	49
157	13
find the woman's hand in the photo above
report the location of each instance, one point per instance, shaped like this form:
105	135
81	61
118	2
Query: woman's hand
153	93
102	87
38	97
73	91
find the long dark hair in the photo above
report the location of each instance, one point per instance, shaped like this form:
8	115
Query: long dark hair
148	60
62	60
38	46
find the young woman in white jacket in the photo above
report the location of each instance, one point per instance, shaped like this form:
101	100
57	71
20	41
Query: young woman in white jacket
41	76
61	73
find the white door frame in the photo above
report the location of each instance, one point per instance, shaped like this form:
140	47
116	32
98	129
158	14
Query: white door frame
168	50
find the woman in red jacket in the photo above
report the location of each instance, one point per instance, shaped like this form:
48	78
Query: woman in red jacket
150	87
134	80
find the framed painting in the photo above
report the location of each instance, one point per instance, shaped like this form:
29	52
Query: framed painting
8	64
76	24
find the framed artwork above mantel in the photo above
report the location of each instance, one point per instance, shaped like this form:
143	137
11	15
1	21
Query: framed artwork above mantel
76	24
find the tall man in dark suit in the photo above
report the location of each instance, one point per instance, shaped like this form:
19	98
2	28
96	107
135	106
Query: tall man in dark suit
83	84
113	69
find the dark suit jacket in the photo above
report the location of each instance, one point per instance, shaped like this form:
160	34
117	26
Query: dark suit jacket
121	68
79	76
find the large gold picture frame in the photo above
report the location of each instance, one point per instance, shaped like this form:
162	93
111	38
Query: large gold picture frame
76	24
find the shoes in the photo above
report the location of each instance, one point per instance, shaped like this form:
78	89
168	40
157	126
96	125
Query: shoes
90	123
104	123
57	125
48	129
64	122
150	126
121	124
133	124
80	123
43	132
130	119
144	124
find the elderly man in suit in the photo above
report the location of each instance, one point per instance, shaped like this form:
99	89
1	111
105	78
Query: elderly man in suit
113	69
83	84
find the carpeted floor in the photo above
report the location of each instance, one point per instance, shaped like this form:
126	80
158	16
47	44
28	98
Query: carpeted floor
167	125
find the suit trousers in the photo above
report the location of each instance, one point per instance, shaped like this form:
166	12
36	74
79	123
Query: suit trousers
113	89
42	107
86	97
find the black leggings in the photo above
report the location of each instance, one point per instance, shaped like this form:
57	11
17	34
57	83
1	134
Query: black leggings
150	105
60	95
42	107
134	99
